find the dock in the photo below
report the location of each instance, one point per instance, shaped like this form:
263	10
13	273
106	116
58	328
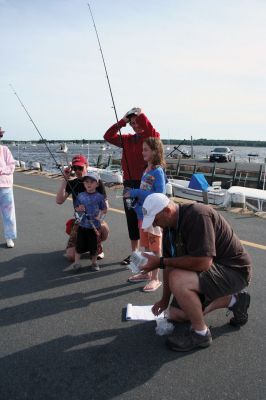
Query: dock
64	335
230	174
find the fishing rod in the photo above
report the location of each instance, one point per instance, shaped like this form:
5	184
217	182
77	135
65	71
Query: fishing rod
110	89
35	126
177	148
44	141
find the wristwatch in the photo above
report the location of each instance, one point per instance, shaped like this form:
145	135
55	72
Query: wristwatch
161	265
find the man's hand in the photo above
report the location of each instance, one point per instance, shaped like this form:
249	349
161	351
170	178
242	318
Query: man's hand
153	263
159	307
126	195
134	111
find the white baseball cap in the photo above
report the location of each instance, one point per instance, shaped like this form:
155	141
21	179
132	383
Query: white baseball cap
153	204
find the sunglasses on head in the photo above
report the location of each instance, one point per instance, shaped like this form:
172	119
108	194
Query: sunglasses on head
77	168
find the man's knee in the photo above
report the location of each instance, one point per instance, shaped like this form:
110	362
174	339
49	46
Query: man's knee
180	280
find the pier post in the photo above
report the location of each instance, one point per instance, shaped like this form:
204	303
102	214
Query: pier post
213	172
259	176
178	167
234	175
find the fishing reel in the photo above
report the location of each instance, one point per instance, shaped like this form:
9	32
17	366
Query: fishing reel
130	203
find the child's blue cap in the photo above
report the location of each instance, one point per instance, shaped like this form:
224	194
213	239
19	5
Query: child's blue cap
91	175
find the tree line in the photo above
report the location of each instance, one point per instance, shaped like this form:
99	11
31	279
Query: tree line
196	142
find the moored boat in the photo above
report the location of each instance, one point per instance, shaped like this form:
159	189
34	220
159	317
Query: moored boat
62	149
110	174
253	154
200	191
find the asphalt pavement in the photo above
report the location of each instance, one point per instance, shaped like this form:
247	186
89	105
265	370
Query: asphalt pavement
64	335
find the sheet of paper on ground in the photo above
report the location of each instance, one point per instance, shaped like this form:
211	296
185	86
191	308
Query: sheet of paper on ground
141	313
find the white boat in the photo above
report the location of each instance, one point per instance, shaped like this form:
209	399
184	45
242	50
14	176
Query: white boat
62	149
254	199
111	174
213	194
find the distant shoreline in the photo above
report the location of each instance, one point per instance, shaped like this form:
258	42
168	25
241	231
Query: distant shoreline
196	142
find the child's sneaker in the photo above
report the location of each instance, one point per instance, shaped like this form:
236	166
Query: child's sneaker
95	267
76	267
100	256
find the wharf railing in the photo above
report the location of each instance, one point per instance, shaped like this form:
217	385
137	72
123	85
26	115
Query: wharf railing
230	174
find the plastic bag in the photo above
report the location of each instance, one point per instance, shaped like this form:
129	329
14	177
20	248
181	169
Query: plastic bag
164	327
137	260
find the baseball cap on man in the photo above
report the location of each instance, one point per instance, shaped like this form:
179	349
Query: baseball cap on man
79	160
91	175
153	204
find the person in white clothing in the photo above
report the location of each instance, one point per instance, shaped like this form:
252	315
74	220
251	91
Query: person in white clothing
7	205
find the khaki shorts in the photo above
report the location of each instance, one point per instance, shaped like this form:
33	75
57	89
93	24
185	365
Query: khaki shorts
219	281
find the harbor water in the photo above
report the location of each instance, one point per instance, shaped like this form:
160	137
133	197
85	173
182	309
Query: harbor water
30	153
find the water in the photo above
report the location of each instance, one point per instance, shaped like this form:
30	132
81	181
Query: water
31	153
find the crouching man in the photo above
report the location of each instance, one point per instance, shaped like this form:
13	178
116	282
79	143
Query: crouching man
206	267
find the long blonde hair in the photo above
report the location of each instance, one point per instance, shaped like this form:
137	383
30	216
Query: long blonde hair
156	146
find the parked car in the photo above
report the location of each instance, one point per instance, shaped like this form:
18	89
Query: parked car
222	154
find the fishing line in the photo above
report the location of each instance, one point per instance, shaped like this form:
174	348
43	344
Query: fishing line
35	126
110	89
44	141
176	148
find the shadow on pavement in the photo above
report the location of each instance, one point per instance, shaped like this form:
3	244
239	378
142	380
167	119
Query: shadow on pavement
99	365
31	273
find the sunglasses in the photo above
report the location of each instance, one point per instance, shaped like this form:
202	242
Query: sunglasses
77	168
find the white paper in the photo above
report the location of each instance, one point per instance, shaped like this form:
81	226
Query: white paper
141	313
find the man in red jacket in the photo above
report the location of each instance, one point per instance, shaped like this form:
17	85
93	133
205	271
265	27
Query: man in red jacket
132	162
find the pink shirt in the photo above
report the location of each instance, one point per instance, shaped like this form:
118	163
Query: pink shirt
7	167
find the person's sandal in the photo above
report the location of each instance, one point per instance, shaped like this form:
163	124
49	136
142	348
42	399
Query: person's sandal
152	286
139	278
126	261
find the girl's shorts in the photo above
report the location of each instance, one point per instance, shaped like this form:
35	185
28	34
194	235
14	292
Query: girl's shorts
150	241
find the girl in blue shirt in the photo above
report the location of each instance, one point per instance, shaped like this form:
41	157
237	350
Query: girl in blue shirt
153	181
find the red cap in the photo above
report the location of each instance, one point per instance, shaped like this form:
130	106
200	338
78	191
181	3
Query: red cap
79	160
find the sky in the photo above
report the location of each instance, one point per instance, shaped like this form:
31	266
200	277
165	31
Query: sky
195	67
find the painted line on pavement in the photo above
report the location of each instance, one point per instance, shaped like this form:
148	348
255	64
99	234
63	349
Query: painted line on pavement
256	245
250	244
54	195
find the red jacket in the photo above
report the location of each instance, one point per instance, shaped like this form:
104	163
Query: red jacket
132	158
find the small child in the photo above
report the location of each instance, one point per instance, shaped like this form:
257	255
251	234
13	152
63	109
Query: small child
92	206
153	181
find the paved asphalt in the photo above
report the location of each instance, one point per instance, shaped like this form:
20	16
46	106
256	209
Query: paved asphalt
63	336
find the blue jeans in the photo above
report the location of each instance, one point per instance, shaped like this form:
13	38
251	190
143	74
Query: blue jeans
7	210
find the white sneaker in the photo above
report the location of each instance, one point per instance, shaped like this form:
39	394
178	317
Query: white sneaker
9	243
100	256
